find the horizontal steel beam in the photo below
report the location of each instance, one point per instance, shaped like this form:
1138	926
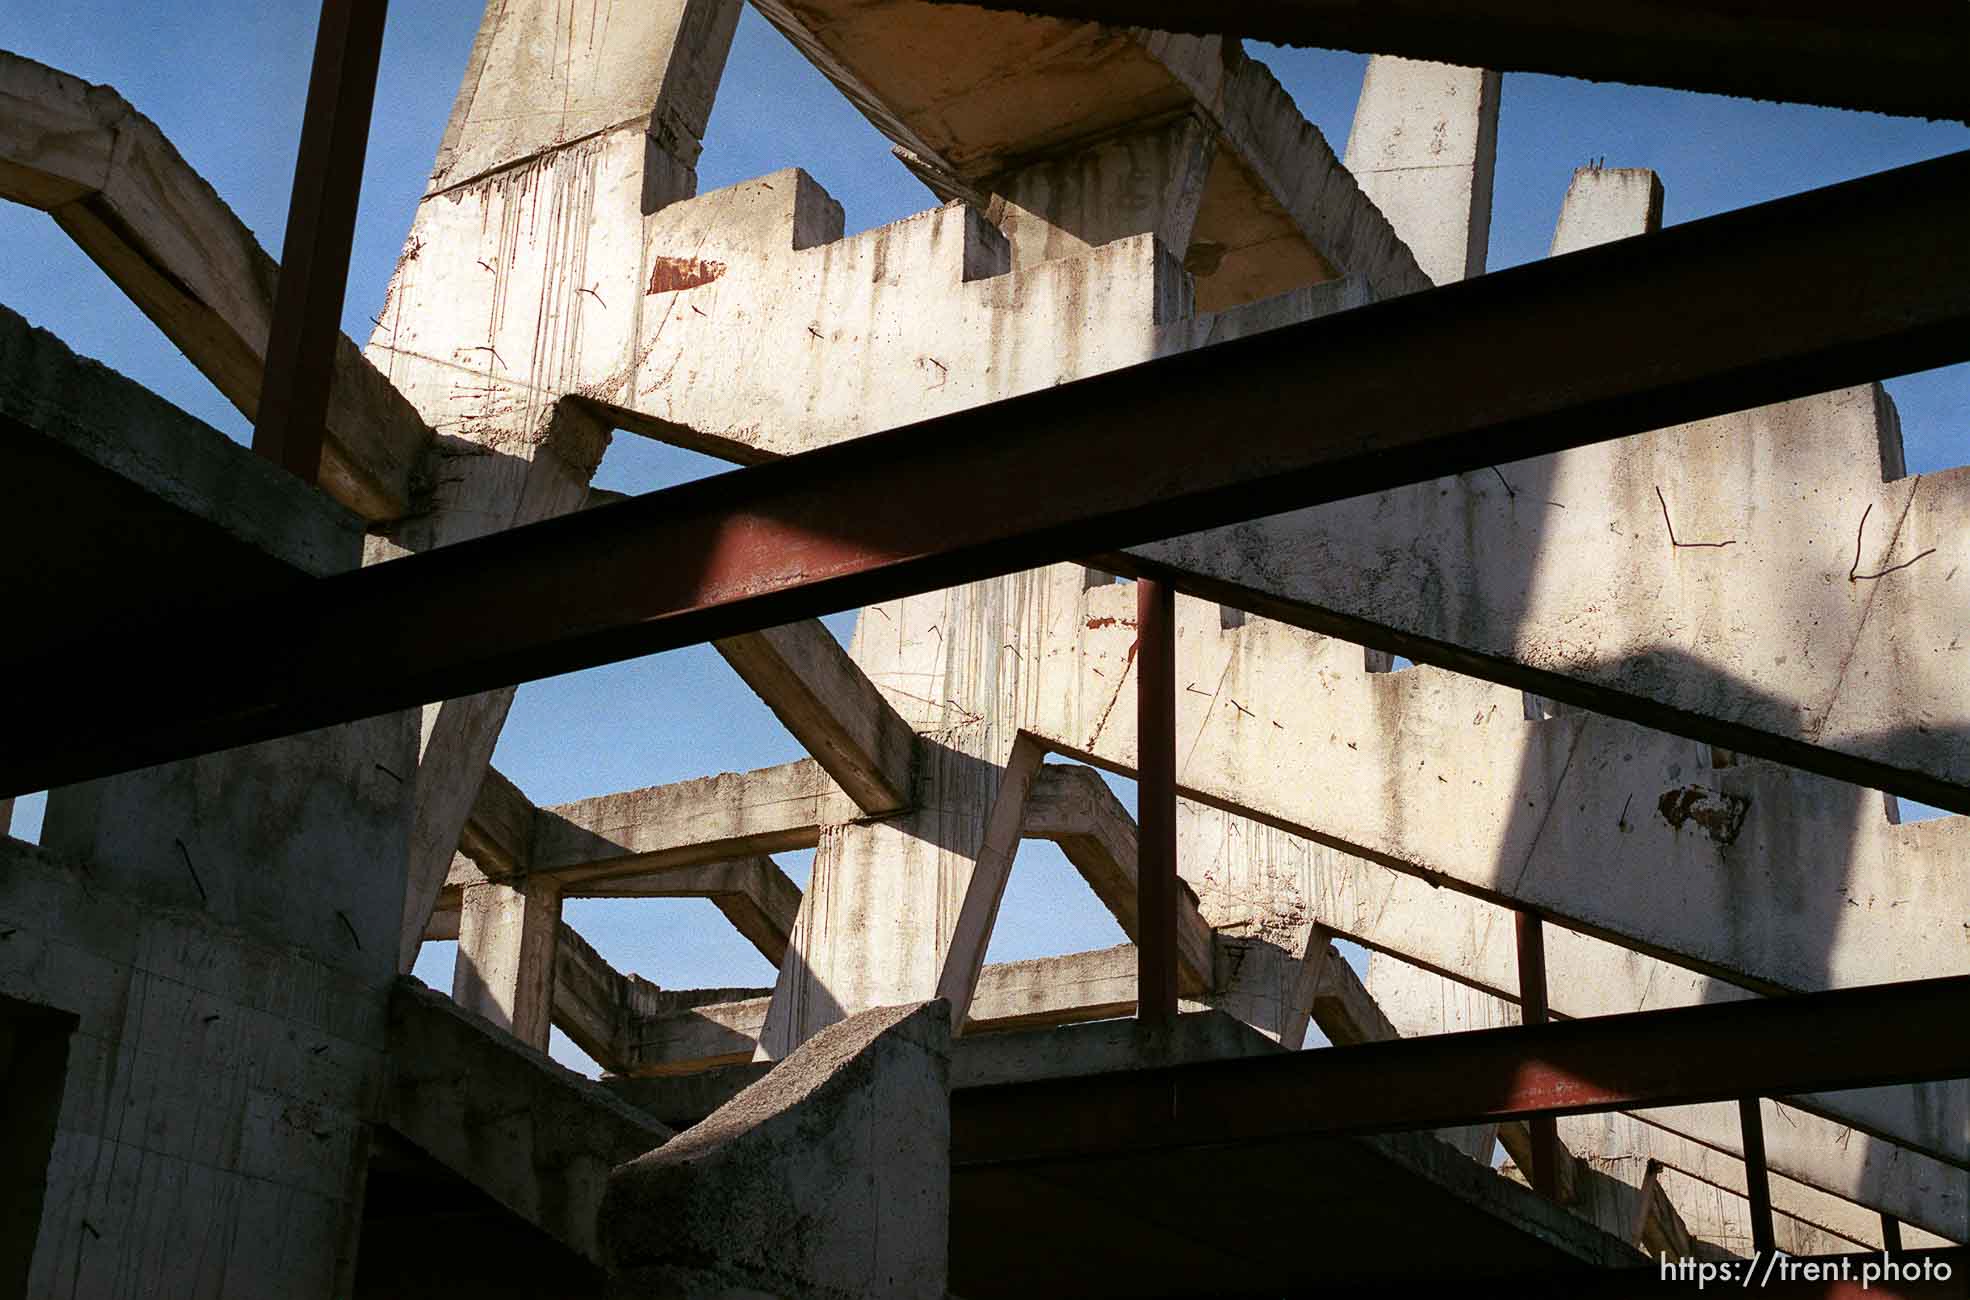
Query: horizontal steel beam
1833	287
1902	56
1850	1038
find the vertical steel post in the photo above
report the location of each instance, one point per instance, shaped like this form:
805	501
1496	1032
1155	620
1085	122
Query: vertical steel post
1545	1171
1156	770
1891	1234
321	224
1757	1184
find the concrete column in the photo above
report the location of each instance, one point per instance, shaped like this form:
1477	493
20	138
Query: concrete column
1424	140
878	919
879	923
1269	982
505	968
1604	204
522	274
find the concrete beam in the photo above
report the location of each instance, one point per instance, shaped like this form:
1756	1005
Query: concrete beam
537	74
758	898
116	185
591	1000
819	695
877	926
1045	991
1242	867
1618	1137
1657	539
1272	160
710	819
1073	807
1825	1156
1768	877
691	1039
691	1032
498	835
983	1060
978	911
537	1138
1091	434
994	122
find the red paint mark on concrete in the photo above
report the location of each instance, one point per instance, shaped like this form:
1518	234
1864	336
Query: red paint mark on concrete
671	274
1094	623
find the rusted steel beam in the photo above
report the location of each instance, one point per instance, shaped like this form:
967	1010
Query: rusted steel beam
1545	1171
1902	56
1849	1038
1852	283
1156	801
321	224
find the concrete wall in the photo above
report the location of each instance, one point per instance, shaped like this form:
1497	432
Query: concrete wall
211	1138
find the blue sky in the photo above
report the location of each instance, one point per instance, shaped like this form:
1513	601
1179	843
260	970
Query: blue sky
225	79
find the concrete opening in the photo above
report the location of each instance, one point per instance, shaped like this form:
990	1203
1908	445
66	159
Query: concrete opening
33	1067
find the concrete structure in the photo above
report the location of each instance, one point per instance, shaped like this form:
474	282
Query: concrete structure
221	1084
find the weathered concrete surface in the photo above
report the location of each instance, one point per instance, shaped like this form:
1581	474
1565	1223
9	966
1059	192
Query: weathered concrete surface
278	839
1423	146
1561	575
499	835
1419	1003
878	923
540	77
1607	203
758	898
830	1177
1828	1157
612	1015
1074	808
982	1060
591	1000
218	1086
504	971
566	131
116	185
708	819
1769	877
819	695
682	1038
538	1138
1621	1142
678	1031
1010	102
767	333
1285	881
1145	181
122	428
978	909
113	501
